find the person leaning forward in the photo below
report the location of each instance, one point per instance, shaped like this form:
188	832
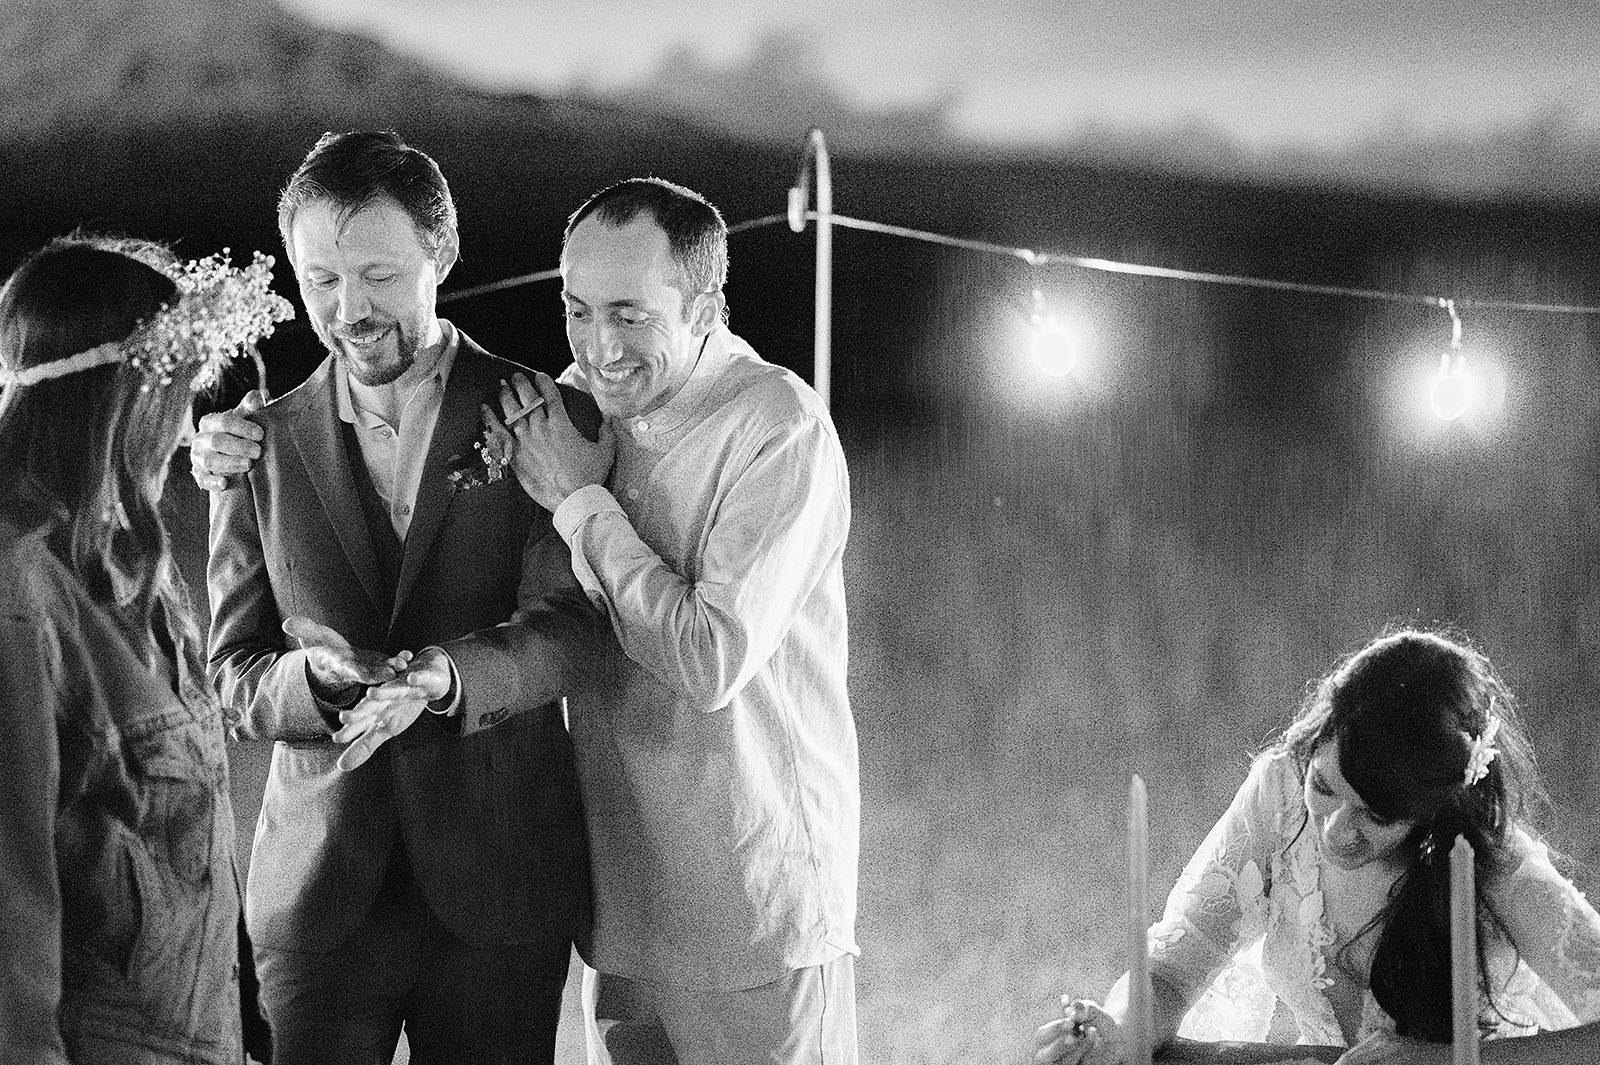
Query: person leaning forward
439	886
716	748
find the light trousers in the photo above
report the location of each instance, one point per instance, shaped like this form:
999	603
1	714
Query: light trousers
807	1017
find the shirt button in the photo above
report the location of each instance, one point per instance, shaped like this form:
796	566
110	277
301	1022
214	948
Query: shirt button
385	431
633	493
641	426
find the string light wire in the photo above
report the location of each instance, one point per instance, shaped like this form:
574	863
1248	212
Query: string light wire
1039	258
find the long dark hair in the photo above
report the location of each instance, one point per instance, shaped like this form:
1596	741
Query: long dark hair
1404	712
82	455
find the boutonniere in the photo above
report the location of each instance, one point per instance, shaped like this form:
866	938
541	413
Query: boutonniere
490	455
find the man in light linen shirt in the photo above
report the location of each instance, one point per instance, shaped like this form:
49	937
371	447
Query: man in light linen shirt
717	753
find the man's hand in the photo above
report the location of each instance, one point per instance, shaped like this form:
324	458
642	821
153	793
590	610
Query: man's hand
337	669
389	709
552	459
226	443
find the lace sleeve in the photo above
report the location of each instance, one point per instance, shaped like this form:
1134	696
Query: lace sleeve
1219	904
1555	929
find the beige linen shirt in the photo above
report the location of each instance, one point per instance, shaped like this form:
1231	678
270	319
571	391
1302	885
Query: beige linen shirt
718	757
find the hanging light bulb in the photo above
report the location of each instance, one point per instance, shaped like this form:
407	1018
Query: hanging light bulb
1051	342
1451	392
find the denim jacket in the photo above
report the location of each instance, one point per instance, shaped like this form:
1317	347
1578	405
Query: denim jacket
118	889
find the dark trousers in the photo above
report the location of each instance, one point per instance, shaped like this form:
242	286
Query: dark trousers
459	1004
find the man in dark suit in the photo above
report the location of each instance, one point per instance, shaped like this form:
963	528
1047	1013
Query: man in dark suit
438	886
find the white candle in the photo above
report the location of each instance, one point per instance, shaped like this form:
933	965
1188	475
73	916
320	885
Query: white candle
1464	952
1138	922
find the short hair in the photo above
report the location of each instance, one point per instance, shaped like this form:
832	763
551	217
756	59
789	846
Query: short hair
354	169
696	234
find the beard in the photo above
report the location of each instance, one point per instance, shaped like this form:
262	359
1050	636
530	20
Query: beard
373	373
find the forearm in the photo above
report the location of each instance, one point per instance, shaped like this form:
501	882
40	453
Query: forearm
1547	1048
544	651
690	637
1553	927
267	694
30	896
525	663
263	686
777	527
30	965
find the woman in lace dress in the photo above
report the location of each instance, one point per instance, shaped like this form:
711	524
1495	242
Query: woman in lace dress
1317	909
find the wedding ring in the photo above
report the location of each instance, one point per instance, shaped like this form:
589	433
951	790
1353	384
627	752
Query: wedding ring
517	416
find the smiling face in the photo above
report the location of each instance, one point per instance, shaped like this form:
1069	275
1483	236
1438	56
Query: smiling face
369	285
631	333
1350	834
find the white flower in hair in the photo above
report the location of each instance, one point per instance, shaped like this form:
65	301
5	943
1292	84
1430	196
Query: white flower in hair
1482	753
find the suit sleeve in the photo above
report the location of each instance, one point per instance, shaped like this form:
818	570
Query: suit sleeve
30	895
543	651
263	685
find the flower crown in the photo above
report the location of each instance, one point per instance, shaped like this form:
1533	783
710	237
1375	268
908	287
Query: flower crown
1482	752
221	312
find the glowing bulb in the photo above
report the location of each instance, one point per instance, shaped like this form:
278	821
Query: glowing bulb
1052	345
1451	394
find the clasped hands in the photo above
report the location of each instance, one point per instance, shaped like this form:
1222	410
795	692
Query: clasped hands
398	687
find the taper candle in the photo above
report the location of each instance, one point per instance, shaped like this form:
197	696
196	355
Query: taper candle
1139	1035
1464	953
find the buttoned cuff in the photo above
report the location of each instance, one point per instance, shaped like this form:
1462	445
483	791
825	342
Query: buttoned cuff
449	705
580	506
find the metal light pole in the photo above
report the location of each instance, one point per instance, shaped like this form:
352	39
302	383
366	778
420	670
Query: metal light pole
816	158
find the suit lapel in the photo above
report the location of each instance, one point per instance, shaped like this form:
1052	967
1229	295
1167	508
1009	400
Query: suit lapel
460	424
320	437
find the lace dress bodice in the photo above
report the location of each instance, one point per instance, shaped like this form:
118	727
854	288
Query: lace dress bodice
1244	934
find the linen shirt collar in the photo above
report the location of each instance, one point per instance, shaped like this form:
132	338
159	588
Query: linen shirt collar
659	429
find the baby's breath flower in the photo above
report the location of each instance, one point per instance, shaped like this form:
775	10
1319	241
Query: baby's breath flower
221	312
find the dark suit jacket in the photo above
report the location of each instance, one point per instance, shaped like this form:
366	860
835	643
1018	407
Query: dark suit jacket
490	819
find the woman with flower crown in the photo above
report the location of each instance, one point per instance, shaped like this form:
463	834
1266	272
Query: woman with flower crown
119	905
1317	909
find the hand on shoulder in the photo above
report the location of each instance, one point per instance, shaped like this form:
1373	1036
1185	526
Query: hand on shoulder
227	443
